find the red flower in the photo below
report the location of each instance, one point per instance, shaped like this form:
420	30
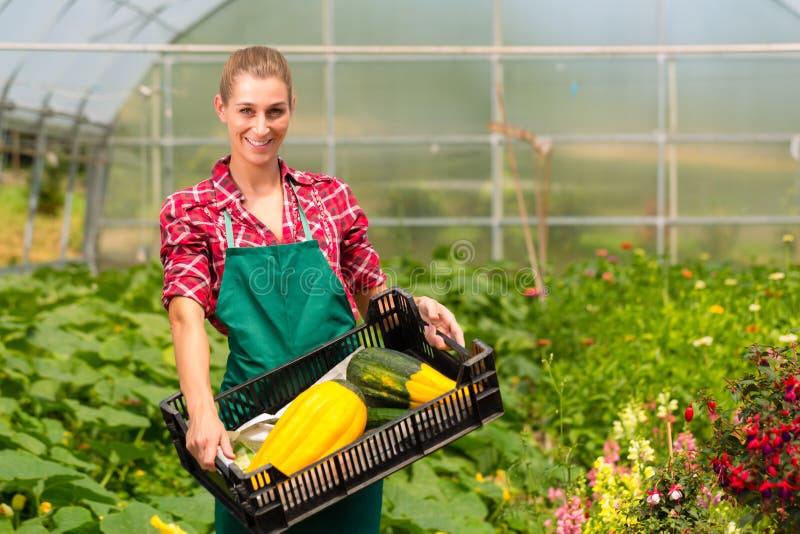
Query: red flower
531	292
688	414
625	245
686	273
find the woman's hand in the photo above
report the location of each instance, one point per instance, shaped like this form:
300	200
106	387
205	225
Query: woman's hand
206	433
438	318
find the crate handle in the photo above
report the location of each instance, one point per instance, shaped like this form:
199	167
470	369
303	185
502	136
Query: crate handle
462	352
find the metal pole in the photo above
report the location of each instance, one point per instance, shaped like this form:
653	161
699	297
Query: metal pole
96	185
73	173
169	152
4	105
496	151
672	159
36	181
156	146
330	89
321	50
661	140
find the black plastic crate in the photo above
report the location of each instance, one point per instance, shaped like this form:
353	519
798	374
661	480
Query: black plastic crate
268	501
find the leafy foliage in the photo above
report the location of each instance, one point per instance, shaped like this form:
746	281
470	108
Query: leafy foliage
84	361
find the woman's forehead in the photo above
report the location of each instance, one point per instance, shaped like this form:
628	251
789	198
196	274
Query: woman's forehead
254	89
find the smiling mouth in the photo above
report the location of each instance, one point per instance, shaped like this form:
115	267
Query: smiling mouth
258	144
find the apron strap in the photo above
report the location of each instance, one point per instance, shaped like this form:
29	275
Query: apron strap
228	228
306	228
303	220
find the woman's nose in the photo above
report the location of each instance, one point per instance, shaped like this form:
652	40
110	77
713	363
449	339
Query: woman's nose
262	125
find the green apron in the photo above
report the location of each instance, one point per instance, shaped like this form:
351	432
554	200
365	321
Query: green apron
279	302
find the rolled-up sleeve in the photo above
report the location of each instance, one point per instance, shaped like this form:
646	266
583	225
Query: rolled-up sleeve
184	255
360	263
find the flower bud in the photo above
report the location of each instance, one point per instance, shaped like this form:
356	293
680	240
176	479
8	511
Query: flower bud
18	501
688	414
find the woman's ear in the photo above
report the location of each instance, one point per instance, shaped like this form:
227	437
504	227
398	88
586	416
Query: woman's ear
219	107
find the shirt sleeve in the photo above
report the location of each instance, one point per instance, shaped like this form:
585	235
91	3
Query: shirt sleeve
361	266
184	255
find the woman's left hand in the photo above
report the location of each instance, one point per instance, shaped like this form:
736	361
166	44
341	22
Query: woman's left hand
438	318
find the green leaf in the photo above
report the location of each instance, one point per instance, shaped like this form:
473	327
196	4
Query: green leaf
29	443
20	465
76	489
68	518
8	406
196	509
31	526
46	389
63	343
121	418
64	456
53	429
85	414
133	518
151	394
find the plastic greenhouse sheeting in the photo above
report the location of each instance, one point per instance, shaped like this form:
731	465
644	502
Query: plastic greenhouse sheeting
61	81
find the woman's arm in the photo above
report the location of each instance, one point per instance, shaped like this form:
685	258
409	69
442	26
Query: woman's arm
206	432
432	312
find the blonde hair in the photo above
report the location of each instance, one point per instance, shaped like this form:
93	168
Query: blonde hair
258	61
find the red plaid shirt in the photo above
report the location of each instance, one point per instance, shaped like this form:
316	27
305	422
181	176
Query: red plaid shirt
193	238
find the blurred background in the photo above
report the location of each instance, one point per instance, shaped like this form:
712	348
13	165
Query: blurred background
670	124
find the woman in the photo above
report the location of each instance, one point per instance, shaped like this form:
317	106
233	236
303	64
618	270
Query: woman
276	258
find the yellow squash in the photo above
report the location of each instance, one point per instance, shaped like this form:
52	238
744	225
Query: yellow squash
319	421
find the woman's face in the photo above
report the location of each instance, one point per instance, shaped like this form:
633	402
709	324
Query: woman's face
257	115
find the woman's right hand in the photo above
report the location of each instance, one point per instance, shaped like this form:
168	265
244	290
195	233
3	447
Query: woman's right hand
205	437
206	433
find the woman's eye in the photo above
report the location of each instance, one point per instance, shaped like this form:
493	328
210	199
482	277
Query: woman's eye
276	112
246	111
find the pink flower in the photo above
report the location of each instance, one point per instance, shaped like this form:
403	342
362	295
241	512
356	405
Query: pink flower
570	517
675	492
611	452
653	497
601	252
555	494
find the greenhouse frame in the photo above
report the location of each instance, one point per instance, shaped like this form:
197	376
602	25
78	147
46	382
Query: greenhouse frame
661	128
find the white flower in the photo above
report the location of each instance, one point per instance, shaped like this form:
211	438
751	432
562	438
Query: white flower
732	528
730	282
654	498
754	307
788	338
675	495
705	340
777	276
699	285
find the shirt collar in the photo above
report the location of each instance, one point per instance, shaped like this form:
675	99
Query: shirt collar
226	190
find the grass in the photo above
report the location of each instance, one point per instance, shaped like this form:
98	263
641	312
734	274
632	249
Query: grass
47	228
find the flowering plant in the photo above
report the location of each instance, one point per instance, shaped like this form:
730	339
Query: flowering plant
756	453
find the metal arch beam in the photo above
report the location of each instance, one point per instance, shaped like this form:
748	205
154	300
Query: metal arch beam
4	6
786	6
211	12
152	15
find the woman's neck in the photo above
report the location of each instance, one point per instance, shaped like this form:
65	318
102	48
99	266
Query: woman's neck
255	182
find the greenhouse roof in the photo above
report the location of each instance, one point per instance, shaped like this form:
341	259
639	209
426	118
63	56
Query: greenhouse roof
91	84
